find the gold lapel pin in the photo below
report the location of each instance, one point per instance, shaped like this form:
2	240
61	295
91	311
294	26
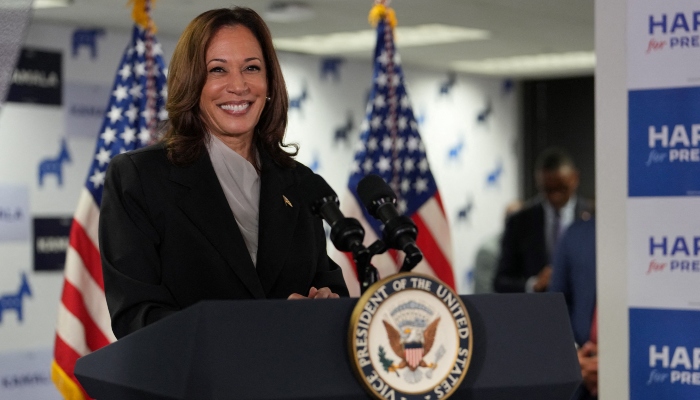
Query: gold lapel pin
286	201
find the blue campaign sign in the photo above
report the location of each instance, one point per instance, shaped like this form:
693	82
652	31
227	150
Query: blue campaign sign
664	142
664	354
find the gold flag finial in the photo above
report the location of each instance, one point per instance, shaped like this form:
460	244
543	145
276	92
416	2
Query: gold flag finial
141	13
381	10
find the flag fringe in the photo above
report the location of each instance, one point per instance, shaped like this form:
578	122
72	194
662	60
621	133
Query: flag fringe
140	13
380	11
65	384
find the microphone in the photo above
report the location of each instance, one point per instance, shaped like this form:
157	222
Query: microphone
347	234
399	230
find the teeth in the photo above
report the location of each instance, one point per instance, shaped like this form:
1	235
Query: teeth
235	108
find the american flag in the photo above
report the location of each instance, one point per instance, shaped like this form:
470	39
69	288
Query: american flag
391	147
135	106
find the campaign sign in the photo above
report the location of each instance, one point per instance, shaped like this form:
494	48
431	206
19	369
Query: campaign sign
38	78
664	142
24	375
14	213
85	107
663	253
664	354
663	43
51	236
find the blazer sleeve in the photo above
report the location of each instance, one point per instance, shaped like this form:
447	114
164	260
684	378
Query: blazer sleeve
509	276
129	243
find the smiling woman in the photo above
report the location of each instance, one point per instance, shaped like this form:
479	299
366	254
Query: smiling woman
216	210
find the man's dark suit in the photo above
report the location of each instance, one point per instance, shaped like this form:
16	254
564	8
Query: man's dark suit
524	247
168	239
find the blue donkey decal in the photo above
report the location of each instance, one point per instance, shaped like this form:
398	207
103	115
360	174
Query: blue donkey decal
87	38
54	165
14	301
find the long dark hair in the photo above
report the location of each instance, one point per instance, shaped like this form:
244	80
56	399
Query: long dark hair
186	131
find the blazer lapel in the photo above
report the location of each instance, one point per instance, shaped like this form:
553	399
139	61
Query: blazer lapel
204	203
279	210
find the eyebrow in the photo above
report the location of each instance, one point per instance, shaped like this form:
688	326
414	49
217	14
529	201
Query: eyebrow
224	61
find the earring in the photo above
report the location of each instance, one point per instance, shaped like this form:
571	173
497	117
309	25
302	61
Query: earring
267	98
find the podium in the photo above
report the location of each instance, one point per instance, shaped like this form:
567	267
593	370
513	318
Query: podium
523	348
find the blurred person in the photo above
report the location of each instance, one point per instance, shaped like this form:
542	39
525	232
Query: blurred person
531	235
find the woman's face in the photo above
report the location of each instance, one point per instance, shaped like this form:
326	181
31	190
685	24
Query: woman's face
233	95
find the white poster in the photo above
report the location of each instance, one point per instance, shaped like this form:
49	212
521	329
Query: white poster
85	108
14	212
25	375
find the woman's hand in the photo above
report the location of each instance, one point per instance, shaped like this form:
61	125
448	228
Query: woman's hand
322	293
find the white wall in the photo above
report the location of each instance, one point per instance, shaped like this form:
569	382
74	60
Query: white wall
30	133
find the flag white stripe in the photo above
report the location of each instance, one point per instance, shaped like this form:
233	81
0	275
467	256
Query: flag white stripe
88	215
93	296
424	267
71	330
435	220
348	271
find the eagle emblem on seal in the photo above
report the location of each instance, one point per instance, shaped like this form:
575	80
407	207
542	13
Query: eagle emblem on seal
411	345
411	338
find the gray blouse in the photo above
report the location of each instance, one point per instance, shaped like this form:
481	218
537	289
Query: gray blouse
241	184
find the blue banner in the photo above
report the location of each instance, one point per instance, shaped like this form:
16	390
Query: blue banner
664	142
664	354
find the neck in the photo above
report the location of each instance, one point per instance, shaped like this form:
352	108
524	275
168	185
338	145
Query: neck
241	145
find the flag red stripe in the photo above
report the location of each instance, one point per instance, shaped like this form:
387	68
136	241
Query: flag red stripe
66	357
80	241
73	300
432	252
348	255
439	201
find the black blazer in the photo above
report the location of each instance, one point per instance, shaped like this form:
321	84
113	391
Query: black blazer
168	239
524	248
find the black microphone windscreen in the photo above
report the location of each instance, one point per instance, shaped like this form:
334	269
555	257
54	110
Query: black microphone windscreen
315	188
371	188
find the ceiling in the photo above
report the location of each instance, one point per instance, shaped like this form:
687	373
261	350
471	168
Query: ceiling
517	27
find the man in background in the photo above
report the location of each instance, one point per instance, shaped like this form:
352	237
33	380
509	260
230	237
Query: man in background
532	234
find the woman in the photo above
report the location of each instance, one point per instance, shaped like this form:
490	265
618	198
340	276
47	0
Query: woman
215	210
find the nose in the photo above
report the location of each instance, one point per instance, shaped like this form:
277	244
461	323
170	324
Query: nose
237	84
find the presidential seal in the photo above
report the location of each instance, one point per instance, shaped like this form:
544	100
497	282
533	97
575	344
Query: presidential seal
410	338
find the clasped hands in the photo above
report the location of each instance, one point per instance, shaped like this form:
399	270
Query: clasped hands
322	293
